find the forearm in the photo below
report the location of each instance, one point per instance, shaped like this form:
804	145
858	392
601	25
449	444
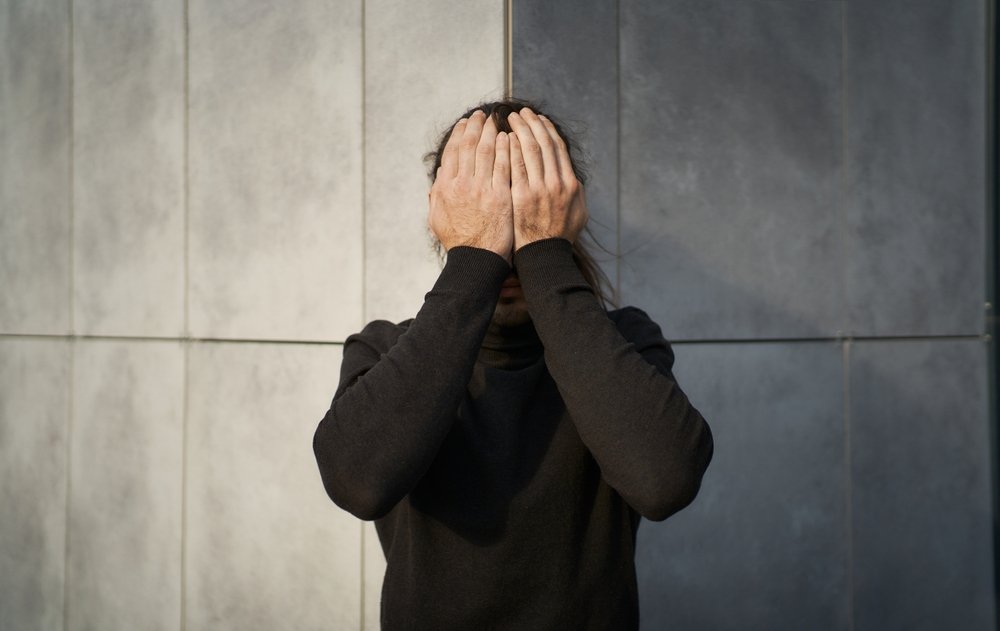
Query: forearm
652	445
383	431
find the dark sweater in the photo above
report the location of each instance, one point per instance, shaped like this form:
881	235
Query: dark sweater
507	468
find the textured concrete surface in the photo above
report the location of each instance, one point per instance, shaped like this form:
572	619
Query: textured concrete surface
34	431
126	477
916	145
266	548
275	169
34	167
730	166
128	156
764	545
920	480
444	57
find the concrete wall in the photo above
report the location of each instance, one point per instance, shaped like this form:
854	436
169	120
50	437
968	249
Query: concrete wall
199	200
797	191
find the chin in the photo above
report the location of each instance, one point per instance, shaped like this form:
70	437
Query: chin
511	313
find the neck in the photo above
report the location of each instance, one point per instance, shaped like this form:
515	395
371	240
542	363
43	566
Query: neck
511	347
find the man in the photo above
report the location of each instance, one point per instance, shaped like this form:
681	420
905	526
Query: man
508	439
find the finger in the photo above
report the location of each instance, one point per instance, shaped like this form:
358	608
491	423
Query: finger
468	144
531	151
501	165
565	163
550	159
518	172
449	157
485	151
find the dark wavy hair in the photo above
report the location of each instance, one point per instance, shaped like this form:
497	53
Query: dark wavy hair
499	111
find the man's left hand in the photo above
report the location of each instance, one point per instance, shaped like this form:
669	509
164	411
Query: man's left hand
548	199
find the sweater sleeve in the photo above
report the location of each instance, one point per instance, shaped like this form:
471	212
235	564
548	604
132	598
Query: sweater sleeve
399	391
651	444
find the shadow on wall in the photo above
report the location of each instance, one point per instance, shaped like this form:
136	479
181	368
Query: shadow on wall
889	524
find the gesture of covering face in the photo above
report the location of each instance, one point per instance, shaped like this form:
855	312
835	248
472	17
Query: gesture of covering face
503	191
470	200
548	200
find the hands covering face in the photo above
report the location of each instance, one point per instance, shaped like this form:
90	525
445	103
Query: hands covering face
501	191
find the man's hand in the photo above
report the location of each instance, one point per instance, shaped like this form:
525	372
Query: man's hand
470	201
548	199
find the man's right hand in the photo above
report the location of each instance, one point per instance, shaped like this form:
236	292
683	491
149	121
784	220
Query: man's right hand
470	201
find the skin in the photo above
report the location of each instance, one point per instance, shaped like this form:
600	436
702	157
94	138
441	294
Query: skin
501	191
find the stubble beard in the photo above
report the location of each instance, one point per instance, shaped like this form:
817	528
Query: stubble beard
511	311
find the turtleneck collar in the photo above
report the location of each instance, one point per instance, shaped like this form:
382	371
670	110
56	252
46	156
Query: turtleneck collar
511	347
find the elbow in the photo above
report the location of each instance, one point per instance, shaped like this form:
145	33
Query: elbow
343	484
668	499
679	486
364	505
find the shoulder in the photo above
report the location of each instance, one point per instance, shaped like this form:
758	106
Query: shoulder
378	335
635	324
645	335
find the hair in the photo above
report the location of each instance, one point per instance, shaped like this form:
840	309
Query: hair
499	111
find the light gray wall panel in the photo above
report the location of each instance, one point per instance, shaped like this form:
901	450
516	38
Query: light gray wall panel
275	169
730	166
565	56
266	548
425	64
128	113
764	545
124	565
34	166
916	146
34	425
923	544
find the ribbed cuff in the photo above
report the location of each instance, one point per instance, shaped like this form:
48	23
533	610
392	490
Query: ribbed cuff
547	262
468	266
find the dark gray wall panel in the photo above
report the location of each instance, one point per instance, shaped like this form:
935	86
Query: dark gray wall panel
764	545
565	55
731	221
921	486
916	139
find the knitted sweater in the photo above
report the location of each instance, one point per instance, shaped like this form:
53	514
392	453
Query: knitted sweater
507	468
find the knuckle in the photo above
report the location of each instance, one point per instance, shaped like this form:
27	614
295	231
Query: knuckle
532	147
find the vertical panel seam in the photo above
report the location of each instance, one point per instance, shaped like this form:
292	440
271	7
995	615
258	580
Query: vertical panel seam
186	342
508	48
848	490
72	329
364	259
185	141
845	317
71	407
992	260
72	174
618	155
